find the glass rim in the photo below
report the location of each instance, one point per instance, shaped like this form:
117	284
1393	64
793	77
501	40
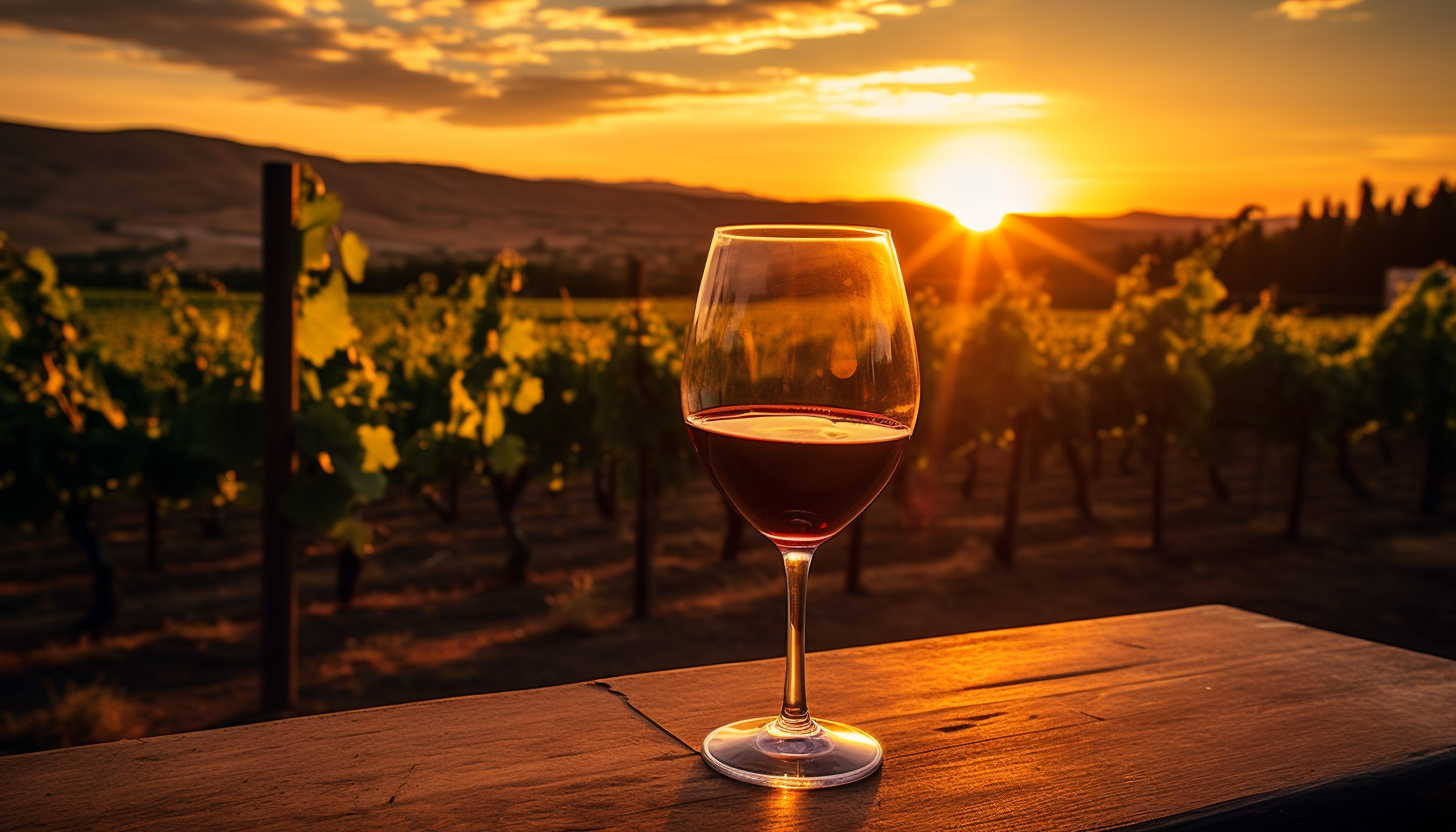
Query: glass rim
844	232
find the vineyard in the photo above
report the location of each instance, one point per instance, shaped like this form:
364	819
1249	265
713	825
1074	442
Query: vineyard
419	413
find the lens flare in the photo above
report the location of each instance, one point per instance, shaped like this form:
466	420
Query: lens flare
978	182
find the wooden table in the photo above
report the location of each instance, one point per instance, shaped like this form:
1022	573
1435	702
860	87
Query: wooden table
1202	718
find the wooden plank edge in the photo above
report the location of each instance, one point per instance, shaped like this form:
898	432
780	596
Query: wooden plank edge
1417	795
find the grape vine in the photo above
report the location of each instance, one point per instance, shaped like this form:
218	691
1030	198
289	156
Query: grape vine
465	385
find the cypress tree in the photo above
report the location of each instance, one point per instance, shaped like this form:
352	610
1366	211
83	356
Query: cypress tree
1324	252
1438	231
1364	257
1405	235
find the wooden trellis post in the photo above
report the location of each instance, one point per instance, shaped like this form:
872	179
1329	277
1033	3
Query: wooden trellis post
646	474
280	401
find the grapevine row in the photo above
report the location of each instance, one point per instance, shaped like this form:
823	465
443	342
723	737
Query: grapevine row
464	385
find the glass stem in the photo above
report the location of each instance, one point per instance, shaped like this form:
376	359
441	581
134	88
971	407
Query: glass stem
794	716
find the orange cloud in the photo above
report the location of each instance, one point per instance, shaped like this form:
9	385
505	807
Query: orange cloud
935	93
302	54
532	100
473	61
502	14
720	28
1419	147
409	11
1310	9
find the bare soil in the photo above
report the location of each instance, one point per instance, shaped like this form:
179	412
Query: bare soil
433	617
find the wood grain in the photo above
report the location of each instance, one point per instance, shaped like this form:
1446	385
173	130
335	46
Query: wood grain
1205	718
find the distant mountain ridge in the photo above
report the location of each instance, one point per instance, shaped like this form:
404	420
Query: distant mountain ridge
76	192
685	190
1170	225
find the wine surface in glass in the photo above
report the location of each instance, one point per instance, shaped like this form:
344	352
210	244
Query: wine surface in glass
798	474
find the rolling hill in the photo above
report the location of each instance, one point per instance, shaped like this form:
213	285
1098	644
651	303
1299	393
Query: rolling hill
75	192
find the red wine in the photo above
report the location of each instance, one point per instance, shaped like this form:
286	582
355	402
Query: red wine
799	474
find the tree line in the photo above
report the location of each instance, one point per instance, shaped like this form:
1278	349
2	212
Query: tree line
1330	259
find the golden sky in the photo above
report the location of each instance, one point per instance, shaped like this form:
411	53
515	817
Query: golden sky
982	106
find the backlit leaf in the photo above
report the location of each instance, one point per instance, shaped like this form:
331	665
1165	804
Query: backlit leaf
528	395
378	386
321	211
379	449
495	419
315	243
518	342
353	254
310	379
9	324
37	259
324	323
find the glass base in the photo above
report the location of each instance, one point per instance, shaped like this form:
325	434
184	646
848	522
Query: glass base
833	755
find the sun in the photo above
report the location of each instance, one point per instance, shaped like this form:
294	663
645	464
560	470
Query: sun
977	183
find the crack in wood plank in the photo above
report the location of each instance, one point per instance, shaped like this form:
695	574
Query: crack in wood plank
650	721
403	784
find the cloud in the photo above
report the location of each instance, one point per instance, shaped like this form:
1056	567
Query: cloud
721	28
939	93
893	9
1418	147
532	100
919	76
502	14
474	62
509	49
254	41
408	11
1312	9
301	50
488	14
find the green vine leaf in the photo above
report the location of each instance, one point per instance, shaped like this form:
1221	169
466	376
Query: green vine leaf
10	325
317	501
316	218
353	254
324	323
324	429
528	395
354	532
309	377
320	212
518	342
507	455
495	420
366	484
38	259
379	449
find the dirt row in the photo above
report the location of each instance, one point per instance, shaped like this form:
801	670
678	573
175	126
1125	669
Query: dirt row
433	617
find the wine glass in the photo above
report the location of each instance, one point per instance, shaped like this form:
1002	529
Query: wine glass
800	387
